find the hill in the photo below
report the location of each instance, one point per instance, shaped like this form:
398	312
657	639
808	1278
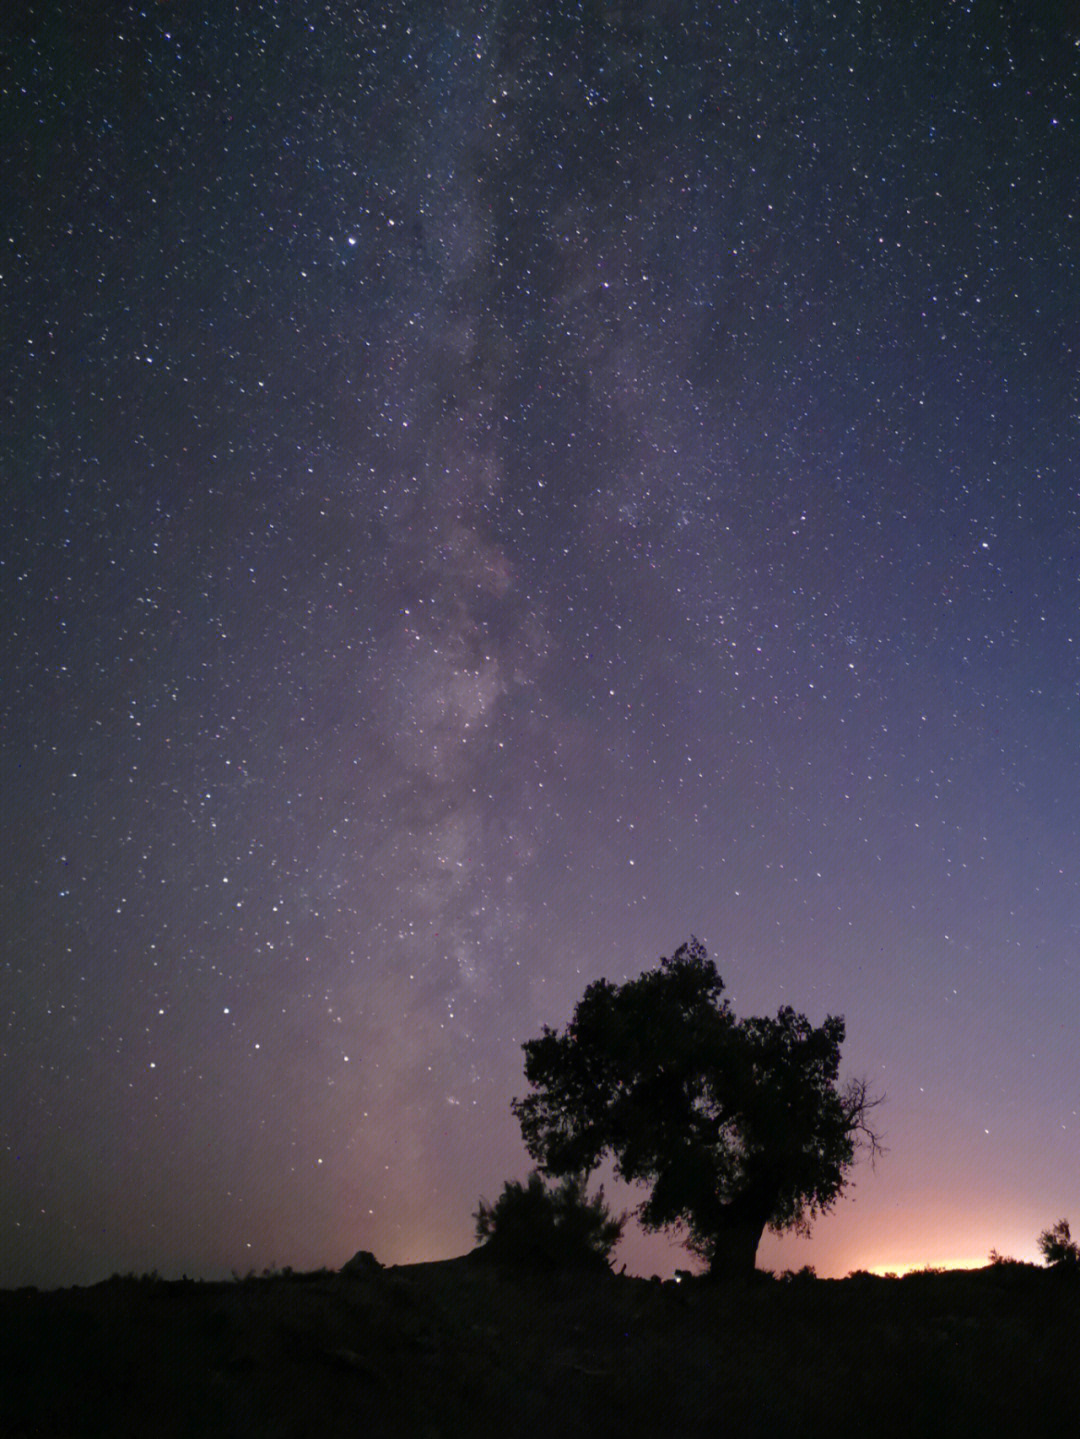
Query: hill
459	1348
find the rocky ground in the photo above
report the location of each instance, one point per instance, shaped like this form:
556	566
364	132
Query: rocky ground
462	1349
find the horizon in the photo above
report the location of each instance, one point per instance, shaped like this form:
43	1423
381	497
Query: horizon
643	1255
272	1271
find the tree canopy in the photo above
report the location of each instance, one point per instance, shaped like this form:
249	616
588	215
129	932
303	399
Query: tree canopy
735	1124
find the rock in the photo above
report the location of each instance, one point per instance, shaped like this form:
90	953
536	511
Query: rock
361	1265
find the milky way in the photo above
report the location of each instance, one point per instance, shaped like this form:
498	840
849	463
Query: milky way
490	494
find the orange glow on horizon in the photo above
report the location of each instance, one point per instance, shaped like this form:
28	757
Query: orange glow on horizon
901	1267
980	1261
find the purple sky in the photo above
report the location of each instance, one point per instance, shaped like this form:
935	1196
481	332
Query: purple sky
492	491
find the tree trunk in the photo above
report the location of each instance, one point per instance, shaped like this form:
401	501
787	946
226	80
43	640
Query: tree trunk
735	1246
737	1232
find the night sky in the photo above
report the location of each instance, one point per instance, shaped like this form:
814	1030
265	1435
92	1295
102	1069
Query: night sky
493	490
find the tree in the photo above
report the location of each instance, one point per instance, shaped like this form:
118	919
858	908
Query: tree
1059	1249
735	1124
547	1228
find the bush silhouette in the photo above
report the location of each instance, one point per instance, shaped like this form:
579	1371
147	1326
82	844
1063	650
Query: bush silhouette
1059	1249
538	1227
805	1275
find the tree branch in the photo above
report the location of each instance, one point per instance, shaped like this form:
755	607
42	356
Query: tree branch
858	1104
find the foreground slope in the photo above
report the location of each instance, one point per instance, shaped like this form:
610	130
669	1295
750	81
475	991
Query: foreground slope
459	1348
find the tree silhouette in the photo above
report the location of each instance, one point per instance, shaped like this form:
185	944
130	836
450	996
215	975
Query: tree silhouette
735	1124
1059	1248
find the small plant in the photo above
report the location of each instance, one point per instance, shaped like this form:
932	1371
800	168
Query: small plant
1002	1261
549	1228
273	1272
1059	1249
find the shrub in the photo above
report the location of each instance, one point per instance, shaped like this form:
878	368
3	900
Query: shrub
799	1276
549	1228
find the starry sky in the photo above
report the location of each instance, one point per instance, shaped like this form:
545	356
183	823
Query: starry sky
491	491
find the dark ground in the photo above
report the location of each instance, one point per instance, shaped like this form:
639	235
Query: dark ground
458	1349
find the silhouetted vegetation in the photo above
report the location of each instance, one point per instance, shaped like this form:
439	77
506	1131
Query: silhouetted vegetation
535	1225
1002	1261
1058	1247
806	1275
735	1124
